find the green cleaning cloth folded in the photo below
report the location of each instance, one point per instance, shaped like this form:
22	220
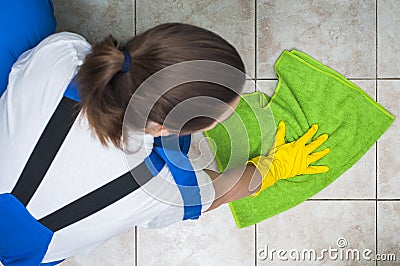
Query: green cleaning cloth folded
308	93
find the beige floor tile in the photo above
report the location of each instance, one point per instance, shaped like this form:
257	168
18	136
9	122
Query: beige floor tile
214	239
359	182
96	19
249	86
388	231
267	86
389	143
318	225
200	153
341	34
233	20
119	250
388	38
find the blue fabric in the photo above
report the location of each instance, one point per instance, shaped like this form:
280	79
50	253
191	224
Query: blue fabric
127	62
154	163
24	241
23	24
173	151
72	91
174	142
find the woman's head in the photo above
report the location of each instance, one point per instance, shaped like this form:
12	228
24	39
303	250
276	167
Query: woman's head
105	91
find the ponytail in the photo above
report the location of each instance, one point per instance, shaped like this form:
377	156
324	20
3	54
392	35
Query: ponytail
103	89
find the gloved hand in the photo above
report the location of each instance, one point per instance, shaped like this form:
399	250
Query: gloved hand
286	160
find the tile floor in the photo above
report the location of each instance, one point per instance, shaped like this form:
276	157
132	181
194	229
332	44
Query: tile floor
360	39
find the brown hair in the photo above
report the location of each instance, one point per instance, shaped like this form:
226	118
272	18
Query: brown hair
105	91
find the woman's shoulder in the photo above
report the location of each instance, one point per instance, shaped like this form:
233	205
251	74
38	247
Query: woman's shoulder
54	61
67	39
62	44
63	38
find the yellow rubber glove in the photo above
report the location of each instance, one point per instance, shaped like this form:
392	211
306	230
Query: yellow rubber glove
286	160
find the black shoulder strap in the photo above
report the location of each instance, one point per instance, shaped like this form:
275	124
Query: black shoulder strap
43	155
45	150
96	200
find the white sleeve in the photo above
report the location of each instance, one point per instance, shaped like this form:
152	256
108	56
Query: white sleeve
207	190
173	213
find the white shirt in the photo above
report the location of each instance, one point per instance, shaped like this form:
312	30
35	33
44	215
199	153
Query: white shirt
37	83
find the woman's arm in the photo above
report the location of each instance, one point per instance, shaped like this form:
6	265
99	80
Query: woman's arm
284	160
234	184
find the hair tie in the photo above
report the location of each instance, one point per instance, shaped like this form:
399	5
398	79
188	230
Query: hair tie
127	62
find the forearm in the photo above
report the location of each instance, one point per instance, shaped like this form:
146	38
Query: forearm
234	184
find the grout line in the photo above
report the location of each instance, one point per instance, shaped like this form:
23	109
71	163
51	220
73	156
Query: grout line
255	244
374	79
346	199
135	14
376	149
255	43
136	235
376	229
376	40
353	199
388	200
255	89
136	246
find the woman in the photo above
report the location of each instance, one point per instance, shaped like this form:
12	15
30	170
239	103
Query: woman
68	155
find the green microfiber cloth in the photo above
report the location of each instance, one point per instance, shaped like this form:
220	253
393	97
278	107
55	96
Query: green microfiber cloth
308	93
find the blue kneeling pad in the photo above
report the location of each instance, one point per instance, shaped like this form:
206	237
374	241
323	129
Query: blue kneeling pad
23	24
